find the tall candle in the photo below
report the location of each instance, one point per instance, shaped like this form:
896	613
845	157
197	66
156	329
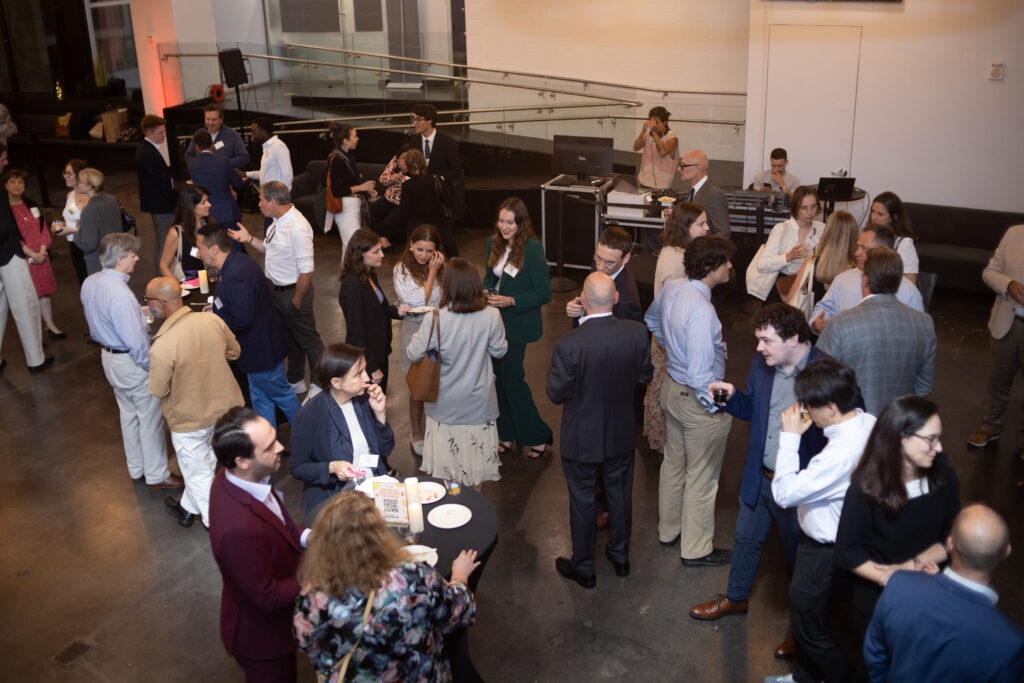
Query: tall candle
204	283
415	518
412	490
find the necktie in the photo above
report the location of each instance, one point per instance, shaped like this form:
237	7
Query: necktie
426	148
689	195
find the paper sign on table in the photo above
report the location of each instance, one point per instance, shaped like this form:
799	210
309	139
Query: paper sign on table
390	500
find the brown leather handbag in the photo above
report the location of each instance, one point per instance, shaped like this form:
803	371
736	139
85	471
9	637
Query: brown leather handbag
424	376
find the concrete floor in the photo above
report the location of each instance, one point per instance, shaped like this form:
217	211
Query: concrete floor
95	559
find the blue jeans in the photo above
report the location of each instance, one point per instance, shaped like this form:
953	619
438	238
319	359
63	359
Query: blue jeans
752	527
270	388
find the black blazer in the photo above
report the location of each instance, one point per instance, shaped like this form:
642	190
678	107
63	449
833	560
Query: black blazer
214	172
367	320
444	156
313	450
248	310
628	306
419	203
594	369
156	190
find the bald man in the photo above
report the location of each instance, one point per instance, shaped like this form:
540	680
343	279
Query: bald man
693	168
189	373
945	627
594	369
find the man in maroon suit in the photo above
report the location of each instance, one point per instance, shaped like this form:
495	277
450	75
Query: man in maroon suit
257	547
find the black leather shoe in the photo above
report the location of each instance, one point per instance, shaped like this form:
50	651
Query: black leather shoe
621	568
174	508
564	567
716	558
36	369
669	544
3	364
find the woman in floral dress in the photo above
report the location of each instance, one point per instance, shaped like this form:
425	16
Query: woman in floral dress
353	561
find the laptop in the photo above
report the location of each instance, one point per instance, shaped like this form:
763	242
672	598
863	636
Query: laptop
835	189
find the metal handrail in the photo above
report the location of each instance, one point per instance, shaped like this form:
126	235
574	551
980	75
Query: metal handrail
507	72
379	69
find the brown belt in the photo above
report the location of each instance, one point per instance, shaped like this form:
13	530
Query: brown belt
767	472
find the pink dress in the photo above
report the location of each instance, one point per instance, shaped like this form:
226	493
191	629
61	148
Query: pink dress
34	238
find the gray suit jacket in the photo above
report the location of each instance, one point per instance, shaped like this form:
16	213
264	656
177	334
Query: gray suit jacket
889	345
1007	265
715	206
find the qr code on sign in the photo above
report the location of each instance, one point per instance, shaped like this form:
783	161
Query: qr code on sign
390	505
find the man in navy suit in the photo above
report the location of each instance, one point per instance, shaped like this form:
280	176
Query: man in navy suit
156	188
945	627
783	349
593	370
226	141
213	172
614	247
242	300
257	547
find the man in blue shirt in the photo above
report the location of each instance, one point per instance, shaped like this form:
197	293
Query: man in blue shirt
117	323
226	141
684	322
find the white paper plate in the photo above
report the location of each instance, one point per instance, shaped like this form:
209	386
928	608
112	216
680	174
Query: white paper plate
184	293
431	492
449	516
421	309
366	487
422	553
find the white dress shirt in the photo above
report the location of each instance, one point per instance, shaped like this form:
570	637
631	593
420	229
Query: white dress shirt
987	591
276	164
263	492
845	292
820	489
289	245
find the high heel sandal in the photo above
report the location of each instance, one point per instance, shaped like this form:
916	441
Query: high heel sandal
504	447
56	335
535	452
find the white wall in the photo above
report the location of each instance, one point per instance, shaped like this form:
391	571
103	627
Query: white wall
929	125
242	22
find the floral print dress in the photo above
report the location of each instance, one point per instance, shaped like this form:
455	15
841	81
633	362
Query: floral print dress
403	637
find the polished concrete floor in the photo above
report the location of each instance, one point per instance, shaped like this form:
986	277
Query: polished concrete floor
97	582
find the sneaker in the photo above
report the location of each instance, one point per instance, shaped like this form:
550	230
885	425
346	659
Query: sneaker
313	391
298	387
981	438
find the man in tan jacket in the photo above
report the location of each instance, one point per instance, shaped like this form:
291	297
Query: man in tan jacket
189	373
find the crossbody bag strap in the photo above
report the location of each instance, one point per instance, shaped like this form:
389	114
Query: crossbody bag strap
342	666
437	322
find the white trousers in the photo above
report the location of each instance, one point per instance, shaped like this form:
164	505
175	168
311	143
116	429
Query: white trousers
18	295
197	464
142	423
347	221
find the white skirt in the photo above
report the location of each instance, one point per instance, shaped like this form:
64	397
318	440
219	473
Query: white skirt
467	454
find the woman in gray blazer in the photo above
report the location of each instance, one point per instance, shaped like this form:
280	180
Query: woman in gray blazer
461	441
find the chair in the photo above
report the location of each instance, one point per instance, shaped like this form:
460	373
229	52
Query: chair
926	284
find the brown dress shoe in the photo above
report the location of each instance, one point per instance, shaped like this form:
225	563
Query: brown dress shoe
603	520
716	608
174	481
787	650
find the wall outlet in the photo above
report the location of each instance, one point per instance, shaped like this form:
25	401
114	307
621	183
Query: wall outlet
996	70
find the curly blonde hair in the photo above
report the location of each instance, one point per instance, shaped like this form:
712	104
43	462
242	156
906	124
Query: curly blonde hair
350	547
524	231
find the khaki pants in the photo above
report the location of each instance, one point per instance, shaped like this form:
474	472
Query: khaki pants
142	423
18	295
694	451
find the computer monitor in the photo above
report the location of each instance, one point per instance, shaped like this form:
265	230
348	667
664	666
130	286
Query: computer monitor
582	156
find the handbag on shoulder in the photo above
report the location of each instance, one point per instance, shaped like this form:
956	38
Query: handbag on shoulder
424	376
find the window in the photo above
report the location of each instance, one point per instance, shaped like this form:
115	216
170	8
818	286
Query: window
112	40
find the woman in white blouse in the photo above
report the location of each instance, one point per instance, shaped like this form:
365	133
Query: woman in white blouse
417	280
887	210
73	206
789	243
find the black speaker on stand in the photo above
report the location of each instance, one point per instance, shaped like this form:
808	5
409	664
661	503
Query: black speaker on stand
232	65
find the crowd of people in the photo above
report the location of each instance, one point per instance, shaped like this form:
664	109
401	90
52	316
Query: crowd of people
845	452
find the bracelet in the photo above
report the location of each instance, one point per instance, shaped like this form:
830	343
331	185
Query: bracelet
459	581
250	239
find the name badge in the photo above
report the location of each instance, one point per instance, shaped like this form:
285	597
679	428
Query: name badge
217	303
35	212
218	144
510	270
194	252
367	460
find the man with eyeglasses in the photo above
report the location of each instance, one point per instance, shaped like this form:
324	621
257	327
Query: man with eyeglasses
189	373
888	344
443	160
118	324
693	168
289	267
611	256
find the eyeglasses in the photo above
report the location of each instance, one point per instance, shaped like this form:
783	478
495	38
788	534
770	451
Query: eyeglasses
147	299
604	261
687	165
932	440
418	119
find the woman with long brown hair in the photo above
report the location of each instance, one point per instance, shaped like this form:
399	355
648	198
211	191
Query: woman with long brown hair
367	312
193	212
461	441
887	210
366	611
518	284
346	183
417	281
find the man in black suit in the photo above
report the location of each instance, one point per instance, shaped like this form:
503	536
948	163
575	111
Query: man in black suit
242	300
156	188
213	172
593	370
443	160
611	256
693	168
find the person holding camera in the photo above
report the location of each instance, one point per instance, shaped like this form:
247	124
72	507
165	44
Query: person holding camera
660	151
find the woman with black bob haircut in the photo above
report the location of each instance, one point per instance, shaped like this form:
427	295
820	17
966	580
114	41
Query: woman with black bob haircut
901	503
339	428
